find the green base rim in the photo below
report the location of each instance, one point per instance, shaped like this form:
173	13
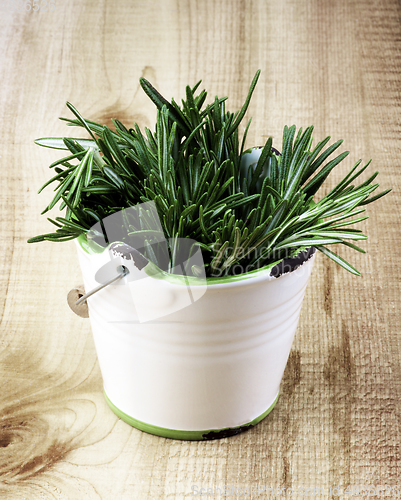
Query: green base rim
188	435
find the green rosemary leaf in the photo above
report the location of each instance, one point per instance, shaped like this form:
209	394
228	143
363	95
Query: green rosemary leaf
128	138
220	145
194	132
235	250
307	242
200	99
217	118
295	180
300	151
114	178
79	172
181	113
61	238
208	108
115	151
376	197
71	224
297	138
195	87
181	228
171	139
58	176
75	196
287	153
266	189
253	219
241	114
344	207
238	201
58	143
37	239
278	214
348	222
202	224
201	185
142	158
100	189
119	126
92	214
244	138
310	224
316	161
266	152
215	264
73	146
354	247
97	128
65	160
60	191
188	211
160	101
191	102
352	235
347	179
80	119
338	260
253	246
369	180
54	222
73	211
161	204
107	153
224	187
318	180
274	171
89	169
172	191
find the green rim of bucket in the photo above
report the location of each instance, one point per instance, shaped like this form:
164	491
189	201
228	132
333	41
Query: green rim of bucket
187	435
155	272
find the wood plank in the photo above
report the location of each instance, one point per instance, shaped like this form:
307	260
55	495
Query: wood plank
332	64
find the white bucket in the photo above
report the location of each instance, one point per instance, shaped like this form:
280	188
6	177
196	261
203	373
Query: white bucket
208	370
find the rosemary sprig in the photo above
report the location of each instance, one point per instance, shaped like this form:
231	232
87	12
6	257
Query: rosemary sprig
192	167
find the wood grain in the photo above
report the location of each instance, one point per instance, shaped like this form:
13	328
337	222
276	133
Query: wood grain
332	64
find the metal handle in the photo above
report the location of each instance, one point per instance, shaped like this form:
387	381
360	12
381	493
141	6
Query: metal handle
123	272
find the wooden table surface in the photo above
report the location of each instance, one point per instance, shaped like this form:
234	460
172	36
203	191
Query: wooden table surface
334	64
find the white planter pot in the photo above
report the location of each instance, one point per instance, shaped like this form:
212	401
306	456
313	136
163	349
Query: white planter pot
207	370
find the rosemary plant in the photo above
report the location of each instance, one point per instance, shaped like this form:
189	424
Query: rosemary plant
190	167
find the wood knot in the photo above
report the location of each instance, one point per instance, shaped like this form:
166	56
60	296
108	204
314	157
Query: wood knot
27	447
